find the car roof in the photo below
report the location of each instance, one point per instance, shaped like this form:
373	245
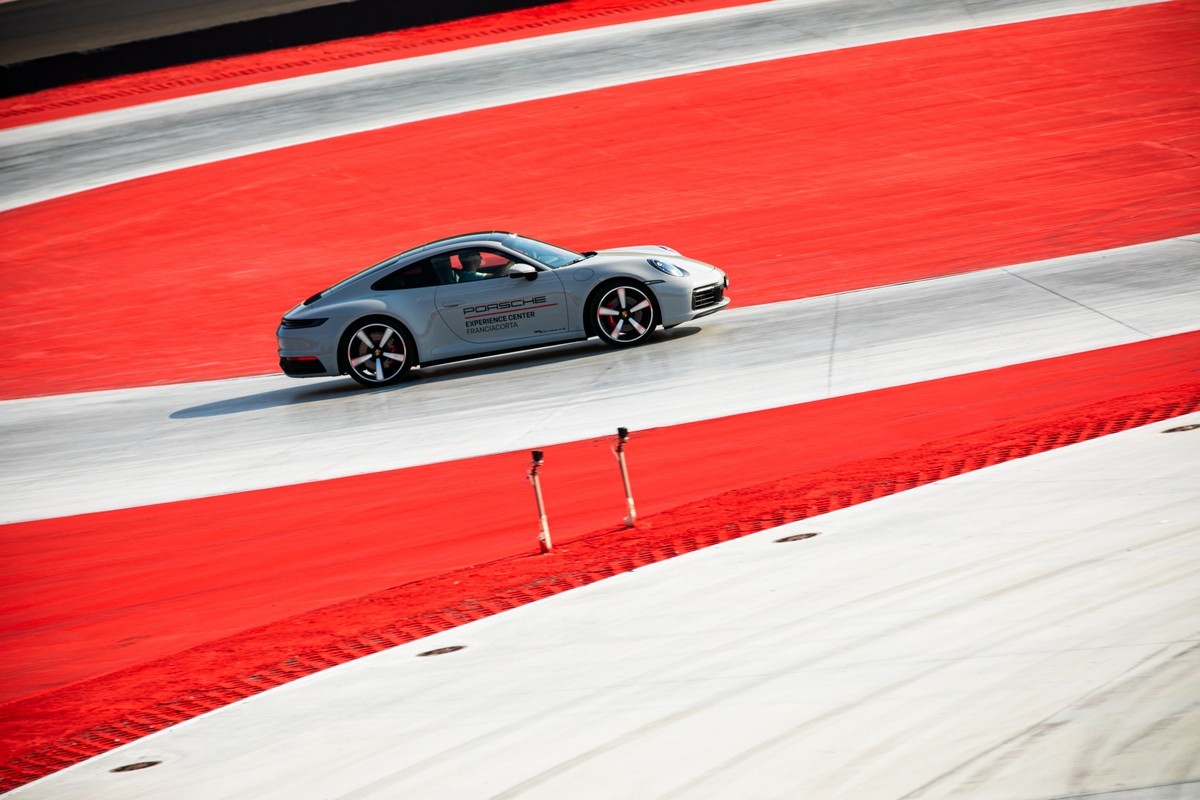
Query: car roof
463	238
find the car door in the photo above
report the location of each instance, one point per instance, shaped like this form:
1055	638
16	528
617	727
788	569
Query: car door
483	306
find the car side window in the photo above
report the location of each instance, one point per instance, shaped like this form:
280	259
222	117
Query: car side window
417	275
475	264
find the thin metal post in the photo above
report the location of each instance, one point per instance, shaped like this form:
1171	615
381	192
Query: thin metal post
543	525
622	438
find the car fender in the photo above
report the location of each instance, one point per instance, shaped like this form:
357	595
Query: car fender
345	315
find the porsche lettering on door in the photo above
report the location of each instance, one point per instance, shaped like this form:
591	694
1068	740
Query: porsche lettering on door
502	309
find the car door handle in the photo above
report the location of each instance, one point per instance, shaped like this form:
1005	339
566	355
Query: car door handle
451	305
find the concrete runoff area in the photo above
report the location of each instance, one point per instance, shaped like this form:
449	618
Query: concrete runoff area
51	159
1024	631
140	446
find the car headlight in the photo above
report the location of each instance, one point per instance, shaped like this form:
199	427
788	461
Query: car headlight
670	269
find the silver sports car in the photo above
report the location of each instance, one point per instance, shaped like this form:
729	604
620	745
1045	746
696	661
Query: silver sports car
484	293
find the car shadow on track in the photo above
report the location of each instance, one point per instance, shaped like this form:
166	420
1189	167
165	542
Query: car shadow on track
340	388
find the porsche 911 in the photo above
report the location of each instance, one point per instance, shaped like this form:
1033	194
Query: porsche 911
479	294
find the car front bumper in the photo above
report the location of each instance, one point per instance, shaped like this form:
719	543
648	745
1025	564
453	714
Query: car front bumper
692	300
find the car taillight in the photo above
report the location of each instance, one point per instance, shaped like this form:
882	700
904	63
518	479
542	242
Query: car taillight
302	323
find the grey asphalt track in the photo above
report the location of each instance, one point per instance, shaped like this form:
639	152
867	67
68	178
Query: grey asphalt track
31	29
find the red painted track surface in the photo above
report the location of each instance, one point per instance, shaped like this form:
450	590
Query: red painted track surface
817	174
878	164
131	586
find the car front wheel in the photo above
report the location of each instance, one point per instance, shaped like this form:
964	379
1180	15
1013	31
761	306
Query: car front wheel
623	314
377	351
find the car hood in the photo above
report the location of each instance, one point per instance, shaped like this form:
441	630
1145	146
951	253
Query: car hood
653	251
646	250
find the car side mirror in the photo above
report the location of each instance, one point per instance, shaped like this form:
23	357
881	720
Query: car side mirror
523	271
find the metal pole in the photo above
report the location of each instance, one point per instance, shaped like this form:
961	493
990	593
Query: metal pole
622	438
543	525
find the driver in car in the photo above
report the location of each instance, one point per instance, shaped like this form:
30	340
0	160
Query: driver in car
471	262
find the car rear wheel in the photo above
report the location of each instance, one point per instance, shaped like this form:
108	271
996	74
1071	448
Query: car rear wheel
377	351
623	314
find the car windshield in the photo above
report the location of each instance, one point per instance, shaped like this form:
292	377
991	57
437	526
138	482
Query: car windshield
550	255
